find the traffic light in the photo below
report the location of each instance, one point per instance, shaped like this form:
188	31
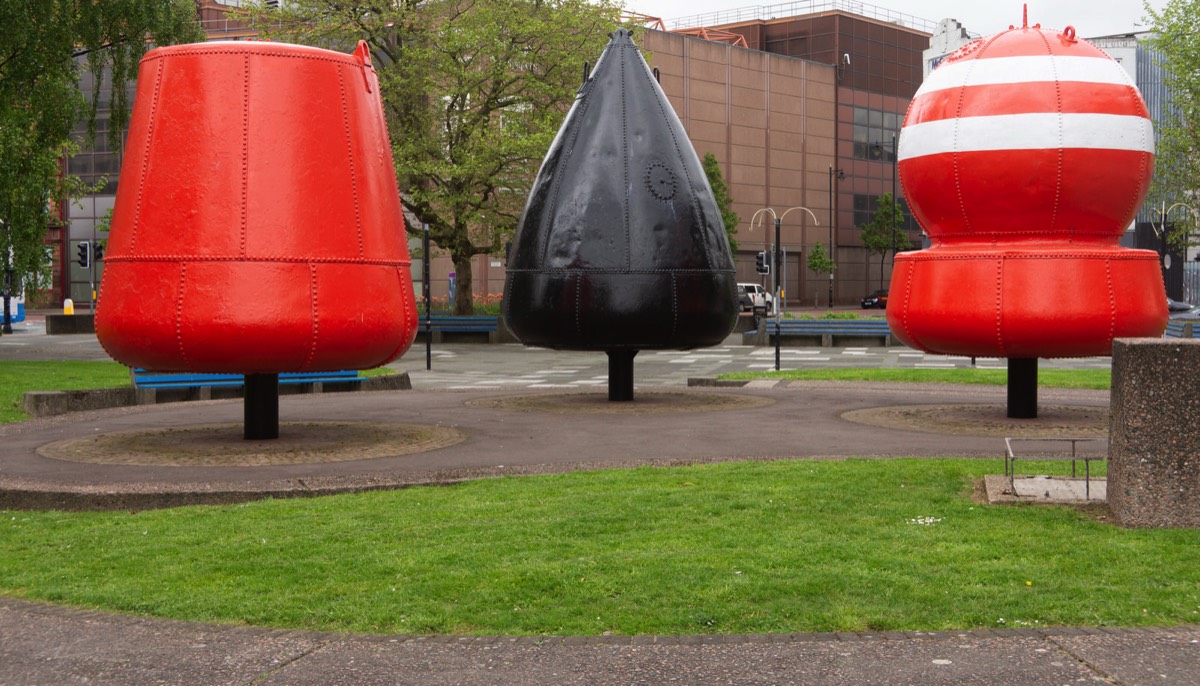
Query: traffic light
98	252
762	263
85	254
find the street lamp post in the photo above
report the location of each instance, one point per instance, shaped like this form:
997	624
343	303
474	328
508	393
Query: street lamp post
878	148
778	260
1161	231
839	175
895	200
7	290
425	295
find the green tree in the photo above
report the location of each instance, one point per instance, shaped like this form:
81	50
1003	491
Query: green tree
720	189
885	232
1176	44
820	263
45	46
474	94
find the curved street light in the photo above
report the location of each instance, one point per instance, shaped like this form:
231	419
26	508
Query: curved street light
839	176
1160	232
778	259
1162	216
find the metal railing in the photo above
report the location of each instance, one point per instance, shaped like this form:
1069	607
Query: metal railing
801	7
1033	449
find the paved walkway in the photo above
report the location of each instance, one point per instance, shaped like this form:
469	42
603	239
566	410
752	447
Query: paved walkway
45	644
796	419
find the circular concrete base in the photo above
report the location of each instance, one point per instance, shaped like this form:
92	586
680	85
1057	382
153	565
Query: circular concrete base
987	420
642	403
212	445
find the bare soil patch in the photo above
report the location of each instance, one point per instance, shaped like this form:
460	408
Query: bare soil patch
643	403
987	420
211	445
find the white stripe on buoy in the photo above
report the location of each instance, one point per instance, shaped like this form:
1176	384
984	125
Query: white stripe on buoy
1024	69
1041	131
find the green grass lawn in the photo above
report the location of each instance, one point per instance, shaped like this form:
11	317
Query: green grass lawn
18	377
1048	378
729	548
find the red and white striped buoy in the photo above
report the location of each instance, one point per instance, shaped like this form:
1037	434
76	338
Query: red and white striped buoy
1025	156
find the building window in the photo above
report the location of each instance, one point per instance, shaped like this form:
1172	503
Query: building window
873	131
865	207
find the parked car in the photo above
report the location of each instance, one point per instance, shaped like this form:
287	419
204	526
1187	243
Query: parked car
1177	306
876	300
1190	313
752	296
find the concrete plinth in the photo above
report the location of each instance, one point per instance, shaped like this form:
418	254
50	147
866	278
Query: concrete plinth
70	323
1154	446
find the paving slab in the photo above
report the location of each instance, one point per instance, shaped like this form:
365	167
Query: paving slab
1172	657
47	644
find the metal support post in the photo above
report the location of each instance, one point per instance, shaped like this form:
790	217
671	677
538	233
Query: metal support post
261	407
620	375
1022	387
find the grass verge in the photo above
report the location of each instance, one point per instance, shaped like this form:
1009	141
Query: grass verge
729	548
1100	379
16	378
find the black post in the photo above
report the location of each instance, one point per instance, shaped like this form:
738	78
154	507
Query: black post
895	200
831	178
425	293
8	289
261	407
778	269
1022	387
620	375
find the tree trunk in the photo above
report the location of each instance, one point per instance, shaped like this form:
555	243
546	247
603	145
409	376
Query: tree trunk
464	303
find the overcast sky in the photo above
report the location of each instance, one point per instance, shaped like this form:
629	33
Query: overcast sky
984	17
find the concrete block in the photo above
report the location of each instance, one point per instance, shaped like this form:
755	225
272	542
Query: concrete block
1154	444
50	403
70	323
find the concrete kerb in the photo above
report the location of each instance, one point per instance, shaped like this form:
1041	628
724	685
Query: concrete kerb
52	403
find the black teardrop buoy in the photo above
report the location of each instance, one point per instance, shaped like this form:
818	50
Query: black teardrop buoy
621	246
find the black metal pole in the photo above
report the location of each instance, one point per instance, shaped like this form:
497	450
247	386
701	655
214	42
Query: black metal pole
620	375
895	200
425	293
775	280
1022	387
8	289
831	177
261	407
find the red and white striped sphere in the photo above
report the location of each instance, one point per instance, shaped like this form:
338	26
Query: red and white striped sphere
1028	133
1025	156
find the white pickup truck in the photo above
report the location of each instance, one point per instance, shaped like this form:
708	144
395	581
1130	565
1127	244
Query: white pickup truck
753	297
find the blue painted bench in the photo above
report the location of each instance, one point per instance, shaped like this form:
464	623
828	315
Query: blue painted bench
448	328
196	386
1182	328
826	332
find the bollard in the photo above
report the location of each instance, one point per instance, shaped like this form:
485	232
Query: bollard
68	306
